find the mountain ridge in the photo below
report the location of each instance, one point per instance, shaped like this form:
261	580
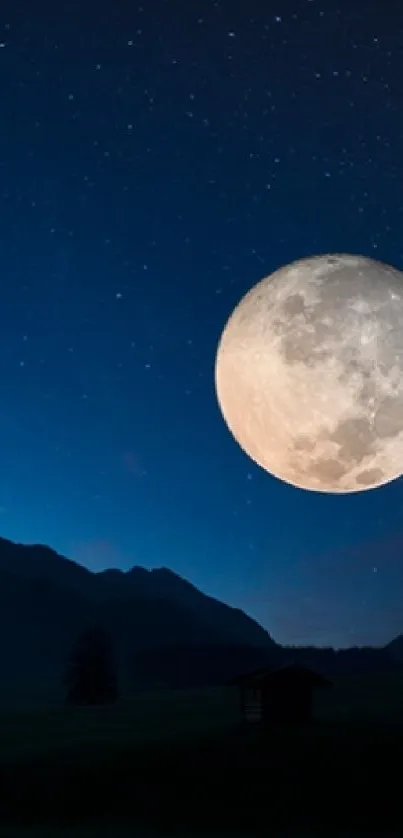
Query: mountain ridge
183	600
164	629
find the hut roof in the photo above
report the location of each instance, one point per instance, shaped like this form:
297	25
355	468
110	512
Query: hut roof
247	677
291	674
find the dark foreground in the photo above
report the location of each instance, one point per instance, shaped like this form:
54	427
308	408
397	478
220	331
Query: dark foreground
234	782
334	777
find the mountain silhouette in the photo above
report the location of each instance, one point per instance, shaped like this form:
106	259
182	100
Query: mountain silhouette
38	562
165	630
47	599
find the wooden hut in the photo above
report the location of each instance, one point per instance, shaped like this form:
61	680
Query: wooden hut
279	695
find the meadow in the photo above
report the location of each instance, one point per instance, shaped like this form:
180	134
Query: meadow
180	763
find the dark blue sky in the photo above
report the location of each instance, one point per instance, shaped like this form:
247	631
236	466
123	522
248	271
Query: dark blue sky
156	161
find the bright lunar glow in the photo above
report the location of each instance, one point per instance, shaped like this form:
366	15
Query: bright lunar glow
309	373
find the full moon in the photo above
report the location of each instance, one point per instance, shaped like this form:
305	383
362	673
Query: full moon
309	373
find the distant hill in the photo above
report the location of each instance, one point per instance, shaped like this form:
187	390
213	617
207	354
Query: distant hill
185	666
395	648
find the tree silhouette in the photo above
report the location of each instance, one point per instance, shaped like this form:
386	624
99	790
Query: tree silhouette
91	676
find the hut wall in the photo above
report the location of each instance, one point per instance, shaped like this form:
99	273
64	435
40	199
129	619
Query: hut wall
252	710
290	705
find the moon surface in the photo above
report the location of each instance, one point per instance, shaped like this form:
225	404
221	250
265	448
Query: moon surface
309	373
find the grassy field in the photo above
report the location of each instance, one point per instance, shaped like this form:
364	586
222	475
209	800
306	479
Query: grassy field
180	763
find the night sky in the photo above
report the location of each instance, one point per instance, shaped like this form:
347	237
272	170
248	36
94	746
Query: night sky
156	161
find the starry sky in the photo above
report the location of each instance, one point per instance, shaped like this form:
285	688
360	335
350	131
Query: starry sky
156	161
